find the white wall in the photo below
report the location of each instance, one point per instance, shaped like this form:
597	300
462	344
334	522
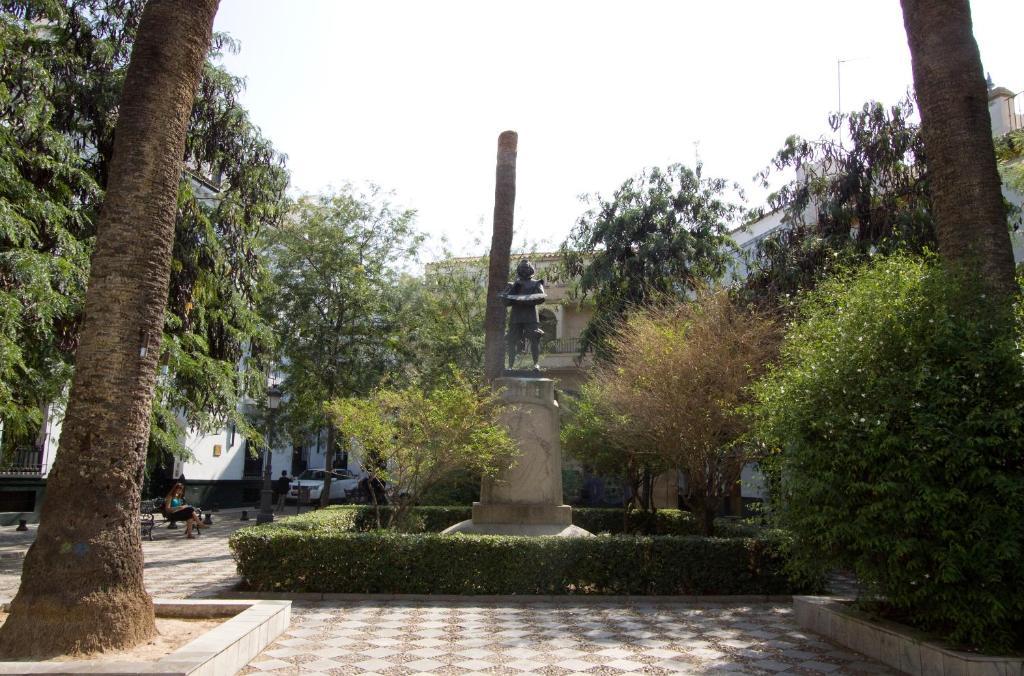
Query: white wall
1005	111
231	462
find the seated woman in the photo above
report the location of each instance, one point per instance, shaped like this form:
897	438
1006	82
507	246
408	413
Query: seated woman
176	509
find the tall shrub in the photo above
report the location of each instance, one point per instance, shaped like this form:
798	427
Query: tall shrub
411	440
673	387
895	413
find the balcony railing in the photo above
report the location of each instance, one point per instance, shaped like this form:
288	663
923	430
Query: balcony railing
561	346
25	461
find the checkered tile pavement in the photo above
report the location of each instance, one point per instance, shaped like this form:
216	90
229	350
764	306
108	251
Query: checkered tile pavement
565	637
175	566
460	638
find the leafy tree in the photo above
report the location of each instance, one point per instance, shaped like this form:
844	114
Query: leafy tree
44	252
662	232
334	274
672	390
68	59
599	436
852	197
91	597
970	216
895	418
442	314
410	440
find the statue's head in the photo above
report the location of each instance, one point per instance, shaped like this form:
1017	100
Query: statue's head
525	270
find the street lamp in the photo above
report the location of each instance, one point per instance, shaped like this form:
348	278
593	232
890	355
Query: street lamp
266	514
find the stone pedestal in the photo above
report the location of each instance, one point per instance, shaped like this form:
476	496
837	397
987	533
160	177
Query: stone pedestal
527	499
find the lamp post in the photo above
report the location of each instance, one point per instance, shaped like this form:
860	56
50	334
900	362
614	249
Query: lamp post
266	514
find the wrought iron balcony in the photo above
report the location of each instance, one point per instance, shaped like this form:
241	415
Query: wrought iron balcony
25	461
561	346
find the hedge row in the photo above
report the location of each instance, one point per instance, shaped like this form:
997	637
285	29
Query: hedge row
596	520
322	558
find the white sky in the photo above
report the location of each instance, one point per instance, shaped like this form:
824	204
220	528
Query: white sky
412	95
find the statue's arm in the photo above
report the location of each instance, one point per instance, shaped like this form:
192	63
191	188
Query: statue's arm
540	292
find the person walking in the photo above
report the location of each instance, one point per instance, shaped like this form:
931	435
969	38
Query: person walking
281	487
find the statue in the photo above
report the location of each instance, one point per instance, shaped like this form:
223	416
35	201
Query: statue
524	295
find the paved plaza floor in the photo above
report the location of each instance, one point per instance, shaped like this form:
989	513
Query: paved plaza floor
570	636
562	637
176	567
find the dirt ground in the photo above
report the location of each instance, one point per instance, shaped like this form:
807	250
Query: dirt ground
171	634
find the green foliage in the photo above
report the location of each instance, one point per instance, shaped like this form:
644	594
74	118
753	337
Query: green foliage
896	419
334	271
599	437
60	83
434	519
662	232
442	315
316	558
459	487
44	233
860	190
668	397
1010	157
410	439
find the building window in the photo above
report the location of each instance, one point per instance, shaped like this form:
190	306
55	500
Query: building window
231	436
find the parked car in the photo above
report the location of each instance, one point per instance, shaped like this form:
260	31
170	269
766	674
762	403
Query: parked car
342	481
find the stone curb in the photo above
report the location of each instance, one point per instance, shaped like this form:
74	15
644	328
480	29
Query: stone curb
226	649
565	599
895	645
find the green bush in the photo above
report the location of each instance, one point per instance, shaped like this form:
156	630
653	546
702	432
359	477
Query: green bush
319	558
431	519
661	522
897	407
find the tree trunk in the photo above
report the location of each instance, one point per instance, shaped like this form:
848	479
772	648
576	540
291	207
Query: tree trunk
704	509
501	248
325	494
82	584
970	217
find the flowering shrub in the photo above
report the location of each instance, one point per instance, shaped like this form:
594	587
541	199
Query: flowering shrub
895	420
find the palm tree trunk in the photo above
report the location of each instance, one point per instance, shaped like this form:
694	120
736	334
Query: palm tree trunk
501	248
970	217
82	584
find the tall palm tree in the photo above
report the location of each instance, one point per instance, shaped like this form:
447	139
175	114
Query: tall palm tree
501	247
82	586
970	217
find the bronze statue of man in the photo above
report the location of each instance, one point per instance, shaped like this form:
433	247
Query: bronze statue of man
524	295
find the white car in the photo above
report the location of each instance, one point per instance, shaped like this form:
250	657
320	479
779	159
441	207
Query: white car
342	481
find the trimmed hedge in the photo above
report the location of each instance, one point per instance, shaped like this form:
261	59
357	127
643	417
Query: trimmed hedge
321	558
596	520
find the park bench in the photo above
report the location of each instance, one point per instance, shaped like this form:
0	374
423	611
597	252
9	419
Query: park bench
146	522
149	510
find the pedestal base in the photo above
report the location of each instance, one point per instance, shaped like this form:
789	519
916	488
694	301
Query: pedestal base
524	514
527	498
469	527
